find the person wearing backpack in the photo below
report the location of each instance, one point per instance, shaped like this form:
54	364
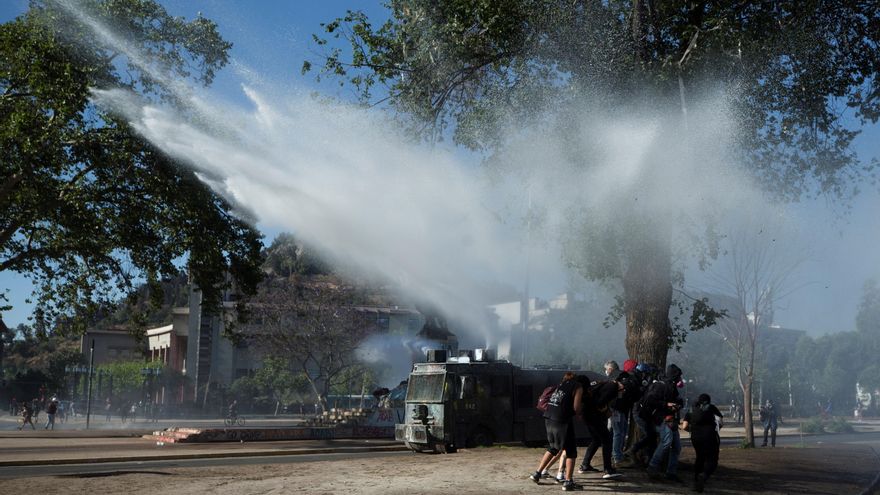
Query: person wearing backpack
704	421
562	407
663	403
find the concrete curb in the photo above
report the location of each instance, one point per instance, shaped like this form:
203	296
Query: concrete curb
209	455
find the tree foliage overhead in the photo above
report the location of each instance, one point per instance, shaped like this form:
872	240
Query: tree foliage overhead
472	67
87	207
472	64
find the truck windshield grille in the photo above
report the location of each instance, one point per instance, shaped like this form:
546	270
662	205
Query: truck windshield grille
425	387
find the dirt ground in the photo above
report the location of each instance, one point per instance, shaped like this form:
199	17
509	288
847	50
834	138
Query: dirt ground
809	470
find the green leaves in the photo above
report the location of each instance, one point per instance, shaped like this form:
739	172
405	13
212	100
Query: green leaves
88	209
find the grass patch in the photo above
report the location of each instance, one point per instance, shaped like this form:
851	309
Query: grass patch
838	425
812	425
819	425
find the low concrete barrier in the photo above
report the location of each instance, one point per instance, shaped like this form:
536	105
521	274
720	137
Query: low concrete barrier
197	435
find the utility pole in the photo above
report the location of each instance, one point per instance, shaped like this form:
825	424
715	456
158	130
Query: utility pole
524	306
89	394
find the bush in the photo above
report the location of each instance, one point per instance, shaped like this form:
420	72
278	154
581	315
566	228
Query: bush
838	425
812	425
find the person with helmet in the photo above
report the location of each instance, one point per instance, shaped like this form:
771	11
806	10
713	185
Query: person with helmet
645	438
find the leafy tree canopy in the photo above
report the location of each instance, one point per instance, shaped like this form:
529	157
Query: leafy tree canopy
87	207
470	63
473	66
286	257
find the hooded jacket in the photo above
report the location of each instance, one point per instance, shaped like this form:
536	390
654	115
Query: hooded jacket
660	393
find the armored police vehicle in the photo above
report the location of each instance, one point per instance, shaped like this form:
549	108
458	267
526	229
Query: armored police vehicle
474	400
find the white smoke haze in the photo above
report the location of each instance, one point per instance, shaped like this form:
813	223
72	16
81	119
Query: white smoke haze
344	179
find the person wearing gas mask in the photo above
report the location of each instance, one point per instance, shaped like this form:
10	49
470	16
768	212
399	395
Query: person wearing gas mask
663	404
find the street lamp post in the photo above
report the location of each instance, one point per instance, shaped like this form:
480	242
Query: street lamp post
89	394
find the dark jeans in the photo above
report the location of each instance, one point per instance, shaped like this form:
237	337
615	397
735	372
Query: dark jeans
600	436
706	446
770	427
670	442
619	425
647	436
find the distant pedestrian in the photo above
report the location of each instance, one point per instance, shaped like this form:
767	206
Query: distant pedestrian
51	410
108	409
13	407
564	405
769	416
27	415
704	421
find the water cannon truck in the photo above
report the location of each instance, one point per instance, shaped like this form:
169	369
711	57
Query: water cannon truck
474	400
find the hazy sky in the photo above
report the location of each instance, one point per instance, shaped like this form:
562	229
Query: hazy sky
272	38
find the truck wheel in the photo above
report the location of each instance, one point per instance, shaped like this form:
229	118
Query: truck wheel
417	447
445	448
481	437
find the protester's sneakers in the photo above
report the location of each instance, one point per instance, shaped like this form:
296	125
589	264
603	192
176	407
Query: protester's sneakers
536	476
611	475
560	479
653	473
570	486
626	462
545	474
587	469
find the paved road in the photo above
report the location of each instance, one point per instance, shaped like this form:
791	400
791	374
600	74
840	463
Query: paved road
156	467
871	439
10	423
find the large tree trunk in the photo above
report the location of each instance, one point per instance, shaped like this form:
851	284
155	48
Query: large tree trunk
647	292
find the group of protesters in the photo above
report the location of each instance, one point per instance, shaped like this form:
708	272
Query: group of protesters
30	412
641	393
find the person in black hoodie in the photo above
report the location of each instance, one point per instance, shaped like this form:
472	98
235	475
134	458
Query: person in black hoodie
704	421
564	405
663	404
596	411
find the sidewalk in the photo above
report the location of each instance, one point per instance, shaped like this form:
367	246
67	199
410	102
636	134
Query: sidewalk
30	448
